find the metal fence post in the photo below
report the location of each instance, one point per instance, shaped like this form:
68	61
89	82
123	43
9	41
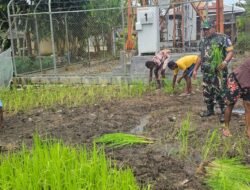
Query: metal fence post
37	38
52	37
67	37
11	38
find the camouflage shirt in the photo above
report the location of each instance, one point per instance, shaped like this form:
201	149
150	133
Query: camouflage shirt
220	40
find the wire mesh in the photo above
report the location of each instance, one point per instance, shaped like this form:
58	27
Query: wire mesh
83	37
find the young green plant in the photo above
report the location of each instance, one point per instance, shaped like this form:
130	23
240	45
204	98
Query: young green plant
211	144
183	135
224	174
52	165
116	140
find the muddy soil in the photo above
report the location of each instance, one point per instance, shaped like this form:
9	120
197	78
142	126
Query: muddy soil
155	115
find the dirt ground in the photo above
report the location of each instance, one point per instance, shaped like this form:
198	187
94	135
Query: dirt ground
152	115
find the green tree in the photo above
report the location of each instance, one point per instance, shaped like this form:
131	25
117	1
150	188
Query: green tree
3	21
243	27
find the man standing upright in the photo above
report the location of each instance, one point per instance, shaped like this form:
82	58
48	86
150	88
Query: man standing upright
216	52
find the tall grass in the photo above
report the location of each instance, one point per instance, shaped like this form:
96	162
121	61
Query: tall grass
49	95
228	174
53	165
183	135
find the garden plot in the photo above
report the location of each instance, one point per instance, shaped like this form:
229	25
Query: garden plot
182	141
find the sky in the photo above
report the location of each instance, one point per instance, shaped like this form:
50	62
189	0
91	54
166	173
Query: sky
229	1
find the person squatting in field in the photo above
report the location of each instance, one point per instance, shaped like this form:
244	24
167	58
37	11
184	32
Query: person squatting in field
158	65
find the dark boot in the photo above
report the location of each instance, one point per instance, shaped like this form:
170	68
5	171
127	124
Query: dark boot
208	112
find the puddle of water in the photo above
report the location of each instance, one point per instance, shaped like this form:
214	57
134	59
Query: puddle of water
140	128
238	111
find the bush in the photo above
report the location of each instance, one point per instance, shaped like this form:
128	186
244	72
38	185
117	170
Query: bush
243	44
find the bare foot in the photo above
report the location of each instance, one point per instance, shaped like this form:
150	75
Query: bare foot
226	132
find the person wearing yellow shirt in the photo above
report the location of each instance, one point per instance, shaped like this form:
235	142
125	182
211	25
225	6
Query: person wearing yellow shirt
186	64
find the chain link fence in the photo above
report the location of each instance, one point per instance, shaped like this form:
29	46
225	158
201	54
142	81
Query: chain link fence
46	42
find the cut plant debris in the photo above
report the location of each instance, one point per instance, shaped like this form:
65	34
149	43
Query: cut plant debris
227	174
116	140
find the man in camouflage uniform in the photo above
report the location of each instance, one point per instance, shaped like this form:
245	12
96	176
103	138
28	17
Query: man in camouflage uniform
214	83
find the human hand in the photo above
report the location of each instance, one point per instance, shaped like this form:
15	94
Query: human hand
179	80
194	74
222	66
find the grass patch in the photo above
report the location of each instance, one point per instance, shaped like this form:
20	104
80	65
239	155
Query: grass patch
169	89
53	165
116	140
211	144
48	96
227	174
183	135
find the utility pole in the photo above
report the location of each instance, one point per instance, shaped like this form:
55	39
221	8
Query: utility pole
232	24
219	16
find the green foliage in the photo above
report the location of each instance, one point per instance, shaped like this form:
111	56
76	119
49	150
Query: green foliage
183	135
52	165
243	42
16	100
227	174
242	24
169	89
117	140
28	64
216	58
211	144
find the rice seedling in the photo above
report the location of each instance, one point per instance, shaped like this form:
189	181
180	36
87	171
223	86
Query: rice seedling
226	147
116	140
216	59
183	135
227	174
169	89
241	146
52	165
211	144
49	95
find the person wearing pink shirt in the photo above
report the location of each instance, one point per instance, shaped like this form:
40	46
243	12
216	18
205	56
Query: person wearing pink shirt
158	65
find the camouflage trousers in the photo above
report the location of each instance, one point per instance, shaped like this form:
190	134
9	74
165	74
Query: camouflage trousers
214	88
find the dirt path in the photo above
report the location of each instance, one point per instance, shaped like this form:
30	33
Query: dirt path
152	115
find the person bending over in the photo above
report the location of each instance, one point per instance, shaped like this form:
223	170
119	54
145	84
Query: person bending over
158	65
187	64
